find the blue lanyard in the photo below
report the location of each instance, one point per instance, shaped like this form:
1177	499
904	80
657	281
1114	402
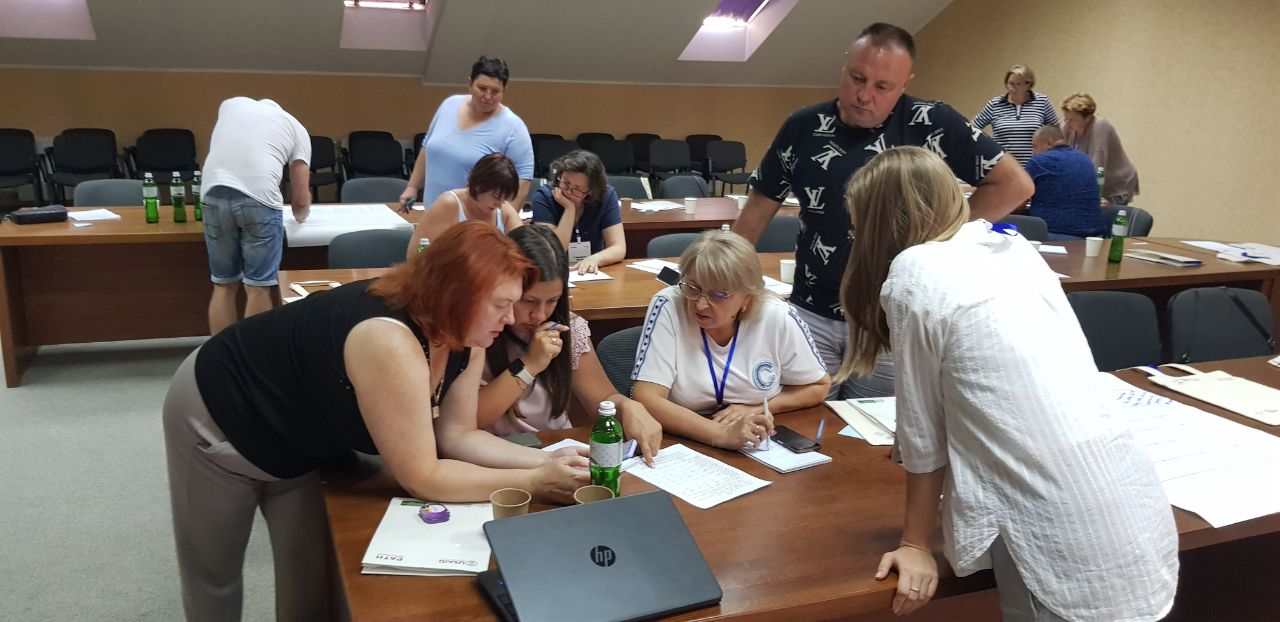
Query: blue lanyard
724	377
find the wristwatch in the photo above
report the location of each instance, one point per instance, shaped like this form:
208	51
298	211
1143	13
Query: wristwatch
517	369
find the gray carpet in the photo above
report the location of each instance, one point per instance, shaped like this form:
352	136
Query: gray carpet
85	530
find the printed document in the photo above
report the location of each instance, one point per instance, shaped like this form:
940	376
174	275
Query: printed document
329	221
699	479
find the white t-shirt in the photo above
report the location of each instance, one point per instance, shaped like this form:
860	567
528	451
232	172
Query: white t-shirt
773	349
994	381
252	143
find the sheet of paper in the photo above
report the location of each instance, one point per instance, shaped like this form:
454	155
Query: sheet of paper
1062	276
1209	465
94	214
655	206
849	432
882	410
1261	253
1049	249
329	221
783	460
1217	247
777	287
700	480
568	442
574	277
869	430
653	266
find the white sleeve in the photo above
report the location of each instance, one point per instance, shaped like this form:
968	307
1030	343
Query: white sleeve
797	353
915	338
301	143
657	350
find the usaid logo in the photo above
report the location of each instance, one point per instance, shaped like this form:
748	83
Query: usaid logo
602	556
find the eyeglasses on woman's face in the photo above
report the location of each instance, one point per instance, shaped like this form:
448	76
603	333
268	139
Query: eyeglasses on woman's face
572	190
693	293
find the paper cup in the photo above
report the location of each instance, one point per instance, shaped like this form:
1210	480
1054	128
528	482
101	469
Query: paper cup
1092	246
508	502
689	205
626	203
587	494
742	202
787	270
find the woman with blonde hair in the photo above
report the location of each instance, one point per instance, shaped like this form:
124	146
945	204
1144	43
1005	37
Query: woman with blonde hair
718	347
995	411
1016	115
1095	136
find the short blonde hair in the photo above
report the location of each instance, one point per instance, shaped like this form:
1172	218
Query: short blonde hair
1022	71
725	261
1080	103
902	197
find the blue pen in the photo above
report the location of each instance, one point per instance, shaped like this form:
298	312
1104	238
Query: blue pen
821	424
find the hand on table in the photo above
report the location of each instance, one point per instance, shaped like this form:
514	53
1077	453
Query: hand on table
917	577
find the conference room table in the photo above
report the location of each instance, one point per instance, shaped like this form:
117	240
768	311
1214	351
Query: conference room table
806	546
709	213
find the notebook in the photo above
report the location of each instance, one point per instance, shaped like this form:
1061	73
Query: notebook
783	460
630	558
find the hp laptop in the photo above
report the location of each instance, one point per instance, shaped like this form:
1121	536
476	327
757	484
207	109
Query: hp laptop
630	558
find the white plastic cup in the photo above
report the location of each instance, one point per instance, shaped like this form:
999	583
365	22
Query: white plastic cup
1092	246
787	270
742	202
689	205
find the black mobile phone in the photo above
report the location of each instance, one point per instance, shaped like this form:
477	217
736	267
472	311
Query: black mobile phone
528	439
669	276
794	440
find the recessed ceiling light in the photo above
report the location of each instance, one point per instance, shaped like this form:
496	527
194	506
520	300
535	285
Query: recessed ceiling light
406	5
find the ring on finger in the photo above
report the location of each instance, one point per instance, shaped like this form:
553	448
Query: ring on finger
915	589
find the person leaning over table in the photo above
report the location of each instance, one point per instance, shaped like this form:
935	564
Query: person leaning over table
717	346
253	413
530	374
1040	479
1095	136
1066	195
468	127
584	210
490	187
1017	114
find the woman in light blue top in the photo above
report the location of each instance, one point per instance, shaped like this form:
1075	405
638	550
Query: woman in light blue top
490	187
466	128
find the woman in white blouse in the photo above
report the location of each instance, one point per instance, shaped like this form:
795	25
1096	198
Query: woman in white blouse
1039	480
718	346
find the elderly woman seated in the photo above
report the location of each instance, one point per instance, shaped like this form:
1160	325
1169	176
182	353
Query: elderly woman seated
720	354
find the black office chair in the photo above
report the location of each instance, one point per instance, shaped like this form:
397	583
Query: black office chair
323	156
684	186
669	245
549	151
1031	227
629	187
698	152
1215	323
727	161
19	162
1121	328
668	158
81	154
615	155
373	190
163	151
640	149
109	193
587	140
780	235
1140	220
417	147
535	139
374	154
375	248
617	354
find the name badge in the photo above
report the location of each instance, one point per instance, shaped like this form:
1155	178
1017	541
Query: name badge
578	251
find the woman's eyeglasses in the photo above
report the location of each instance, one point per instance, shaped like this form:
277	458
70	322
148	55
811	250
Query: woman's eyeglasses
693	292
575	192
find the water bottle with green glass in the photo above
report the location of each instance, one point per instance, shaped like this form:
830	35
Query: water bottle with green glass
150	198
1102	179
1119	229
423	244
178	196
197	202
606	448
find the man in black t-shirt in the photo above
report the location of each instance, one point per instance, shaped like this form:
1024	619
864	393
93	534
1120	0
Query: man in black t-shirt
820	147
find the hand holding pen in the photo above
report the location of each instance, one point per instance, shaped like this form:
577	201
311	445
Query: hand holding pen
544	345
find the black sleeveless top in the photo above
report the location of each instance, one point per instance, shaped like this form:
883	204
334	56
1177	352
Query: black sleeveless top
276	382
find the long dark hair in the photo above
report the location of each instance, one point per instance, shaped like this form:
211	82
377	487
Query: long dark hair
538	243
589	164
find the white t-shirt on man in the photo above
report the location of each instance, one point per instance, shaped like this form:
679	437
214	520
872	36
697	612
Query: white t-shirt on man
773	349
253	141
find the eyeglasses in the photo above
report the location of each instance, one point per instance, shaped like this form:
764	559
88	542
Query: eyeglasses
693	293
575	192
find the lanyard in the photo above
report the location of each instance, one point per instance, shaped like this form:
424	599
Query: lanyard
724	377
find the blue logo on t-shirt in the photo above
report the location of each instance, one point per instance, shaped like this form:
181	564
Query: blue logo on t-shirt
764	375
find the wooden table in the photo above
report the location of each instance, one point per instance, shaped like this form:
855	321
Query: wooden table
805	547
710	213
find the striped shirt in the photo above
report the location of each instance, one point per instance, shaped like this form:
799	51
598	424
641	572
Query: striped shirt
1014	124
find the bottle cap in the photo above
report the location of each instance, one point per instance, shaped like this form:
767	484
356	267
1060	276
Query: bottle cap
607	408
175	174
146	175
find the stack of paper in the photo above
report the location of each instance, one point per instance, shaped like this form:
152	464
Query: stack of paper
653	266
329	221
93	214
1168	259
777	287
574	277
655	206
404	544
700	480
873	418
783	460
1238	395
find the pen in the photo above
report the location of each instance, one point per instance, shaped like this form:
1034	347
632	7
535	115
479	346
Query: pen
821	424
554	325
408	203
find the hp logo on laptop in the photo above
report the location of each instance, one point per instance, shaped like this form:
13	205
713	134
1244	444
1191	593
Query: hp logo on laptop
602	556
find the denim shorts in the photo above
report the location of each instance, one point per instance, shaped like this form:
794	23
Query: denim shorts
244	238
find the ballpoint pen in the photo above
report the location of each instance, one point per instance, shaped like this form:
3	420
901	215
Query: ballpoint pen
821	424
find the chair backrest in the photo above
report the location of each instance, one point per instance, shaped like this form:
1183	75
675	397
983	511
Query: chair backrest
373	190
166	150
359	135
323	154
1030	227
17	151
85	150
417	143
1140	220
780	235
684	187
615	155
670	245
640	145
698	145
1215	323
376	157
109	193
726	155
617	354
587	140
1121	328
628	187
668	155
375	248
548	151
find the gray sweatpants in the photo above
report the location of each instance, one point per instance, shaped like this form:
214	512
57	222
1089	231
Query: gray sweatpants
1017	603
832	338
214	493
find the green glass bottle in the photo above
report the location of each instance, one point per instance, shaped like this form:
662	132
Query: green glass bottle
606	448
423	244
178	196
1102	179
1119	229
150	199
197	201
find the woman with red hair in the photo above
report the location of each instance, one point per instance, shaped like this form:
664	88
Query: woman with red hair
391	367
